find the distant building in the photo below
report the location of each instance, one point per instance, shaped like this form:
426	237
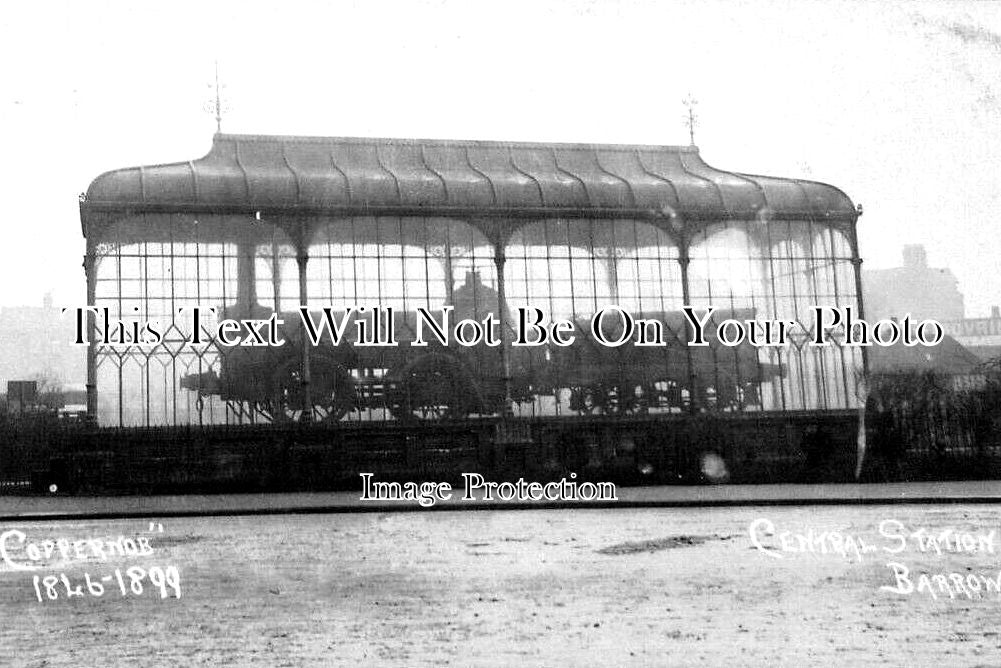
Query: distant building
928	292
915	288
22	395
35	344
949	359
981	336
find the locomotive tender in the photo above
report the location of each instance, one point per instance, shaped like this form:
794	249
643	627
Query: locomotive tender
264	224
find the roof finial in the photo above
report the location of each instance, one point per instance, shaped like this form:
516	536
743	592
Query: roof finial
216	105
690	117
218	102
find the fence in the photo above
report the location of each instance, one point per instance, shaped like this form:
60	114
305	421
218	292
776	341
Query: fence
921	426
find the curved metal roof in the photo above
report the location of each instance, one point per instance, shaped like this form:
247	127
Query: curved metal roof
445	177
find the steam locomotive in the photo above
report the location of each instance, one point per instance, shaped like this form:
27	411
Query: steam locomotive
438	382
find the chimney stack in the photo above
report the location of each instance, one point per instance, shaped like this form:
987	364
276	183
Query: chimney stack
915	256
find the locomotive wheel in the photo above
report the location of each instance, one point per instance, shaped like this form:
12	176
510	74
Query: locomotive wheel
607	400
627	402
662	395
284	403
434	387
332	394
333	391
582	400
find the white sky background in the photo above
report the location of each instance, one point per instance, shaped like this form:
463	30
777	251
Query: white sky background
897	104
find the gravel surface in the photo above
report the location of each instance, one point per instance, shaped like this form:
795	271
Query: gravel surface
643	587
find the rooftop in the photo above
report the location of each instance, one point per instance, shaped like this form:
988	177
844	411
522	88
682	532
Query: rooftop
453	177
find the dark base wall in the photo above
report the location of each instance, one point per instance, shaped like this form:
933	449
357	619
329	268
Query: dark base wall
787	447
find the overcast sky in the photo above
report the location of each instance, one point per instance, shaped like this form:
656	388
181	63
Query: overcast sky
897	104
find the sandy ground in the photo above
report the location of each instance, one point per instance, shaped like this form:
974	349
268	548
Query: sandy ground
631	587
